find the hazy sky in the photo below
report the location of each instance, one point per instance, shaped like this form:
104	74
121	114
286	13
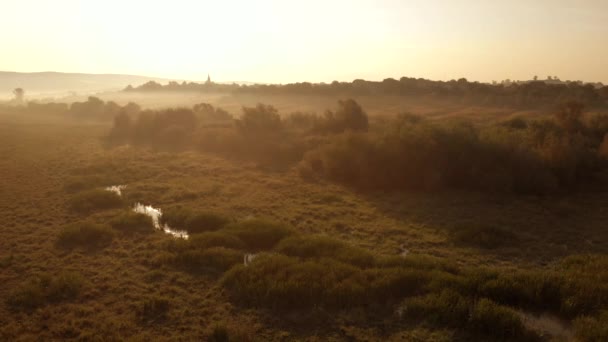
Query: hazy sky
309	40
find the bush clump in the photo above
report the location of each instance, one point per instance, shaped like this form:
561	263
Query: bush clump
96	199
44	289
259	234
214	259
349	117
483	318
216	239
131	222
282	282
86	235
313	247
194	222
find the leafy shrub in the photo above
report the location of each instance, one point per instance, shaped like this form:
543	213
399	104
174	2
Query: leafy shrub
302	120
259	234
168	128
208	113
259	120
122	129
483	236
544	157
324	247
85	234
131	222
97	199
154	309
44	289
349	116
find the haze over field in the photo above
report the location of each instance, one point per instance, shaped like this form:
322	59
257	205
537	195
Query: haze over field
304	171
54	84
293	41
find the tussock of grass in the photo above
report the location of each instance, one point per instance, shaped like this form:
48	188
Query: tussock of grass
131	222
93	200
44	289
85	234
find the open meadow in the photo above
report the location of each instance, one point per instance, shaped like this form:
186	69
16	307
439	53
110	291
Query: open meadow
277	248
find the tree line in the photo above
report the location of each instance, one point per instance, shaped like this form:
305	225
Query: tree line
534	93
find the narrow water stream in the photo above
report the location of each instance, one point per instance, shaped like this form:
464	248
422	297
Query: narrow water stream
116	189
248	258
154	213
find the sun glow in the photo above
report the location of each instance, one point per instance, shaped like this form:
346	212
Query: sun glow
283	41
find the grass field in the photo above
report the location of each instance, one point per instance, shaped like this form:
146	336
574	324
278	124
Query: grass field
127	290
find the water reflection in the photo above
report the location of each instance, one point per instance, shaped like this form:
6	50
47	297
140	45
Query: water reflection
116	189
155	214
248	258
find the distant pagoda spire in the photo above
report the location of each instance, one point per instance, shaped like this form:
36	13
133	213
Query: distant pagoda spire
208	79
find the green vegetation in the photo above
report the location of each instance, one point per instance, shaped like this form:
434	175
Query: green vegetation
543	156
546	156
527	94
329	262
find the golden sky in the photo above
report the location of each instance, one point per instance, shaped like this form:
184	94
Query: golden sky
312	40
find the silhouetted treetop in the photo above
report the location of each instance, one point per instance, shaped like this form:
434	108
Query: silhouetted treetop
551	91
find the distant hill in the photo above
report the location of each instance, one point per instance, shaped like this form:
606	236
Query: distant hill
57	83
